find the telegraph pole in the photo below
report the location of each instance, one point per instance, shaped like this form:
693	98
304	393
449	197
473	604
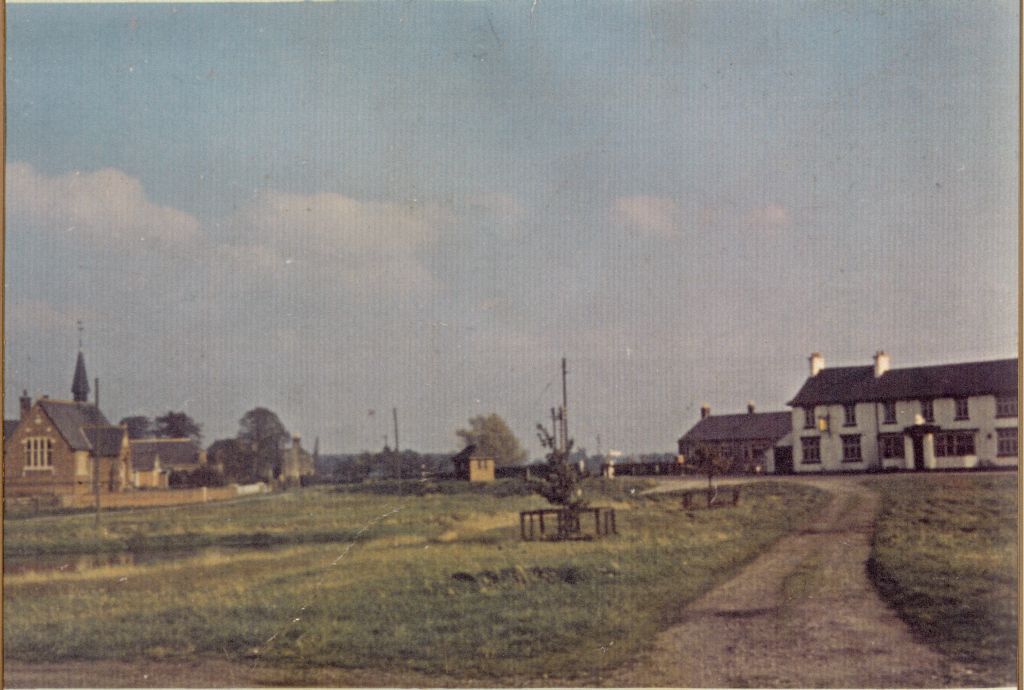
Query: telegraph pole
565	409
394	412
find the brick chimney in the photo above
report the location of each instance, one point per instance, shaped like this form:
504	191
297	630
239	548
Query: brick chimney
705	411
817	363
881	363
26	403
750	407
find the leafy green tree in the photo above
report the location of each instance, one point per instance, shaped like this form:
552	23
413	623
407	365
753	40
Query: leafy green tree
138	426
492	438
236	460
176	425
267	437
709	461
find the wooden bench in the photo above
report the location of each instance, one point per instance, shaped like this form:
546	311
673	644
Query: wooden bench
726	496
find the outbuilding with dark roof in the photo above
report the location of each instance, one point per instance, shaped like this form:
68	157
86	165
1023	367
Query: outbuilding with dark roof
747	439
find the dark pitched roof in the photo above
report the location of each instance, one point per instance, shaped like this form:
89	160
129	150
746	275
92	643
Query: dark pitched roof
105	440
71	417
740	427
10	426
858	384
173	453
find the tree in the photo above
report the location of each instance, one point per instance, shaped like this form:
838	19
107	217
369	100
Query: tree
267	437
235	459
138	426
176	425
492	438
709	461
561	484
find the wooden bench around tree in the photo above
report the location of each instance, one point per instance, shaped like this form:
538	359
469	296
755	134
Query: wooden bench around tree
563	523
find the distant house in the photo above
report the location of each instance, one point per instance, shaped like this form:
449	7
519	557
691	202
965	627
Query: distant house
933	417
473	468
153	459
296	463
748	440
61	447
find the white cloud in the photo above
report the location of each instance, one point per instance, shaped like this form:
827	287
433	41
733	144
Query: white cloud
106	206
369	247
651	215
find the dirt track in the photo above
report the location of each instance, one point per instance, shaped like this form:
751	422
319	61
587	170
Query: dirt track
802	615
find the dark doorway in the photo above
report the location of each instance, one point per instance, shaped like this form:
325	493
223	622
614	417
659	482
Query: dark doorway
917	441
784	460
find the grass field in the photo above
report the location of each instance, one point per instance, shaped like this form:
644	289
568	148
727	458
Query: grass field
945	557
438	583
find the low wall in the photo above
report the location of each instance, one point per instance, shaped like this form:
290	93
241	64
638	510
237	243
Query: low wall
142	499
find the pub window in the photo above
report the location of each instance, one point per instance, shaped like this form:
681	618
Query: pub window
962	408
812	450
954	443
1006	444
1006	406
928	410
808	417
850	415
889	412
851	448
891	445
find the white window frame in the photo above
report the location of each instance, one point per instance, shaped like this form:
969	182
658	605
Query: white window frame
850	414
38	454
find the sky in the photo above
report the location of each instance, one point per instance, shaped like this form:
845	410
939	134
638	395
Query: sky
333	209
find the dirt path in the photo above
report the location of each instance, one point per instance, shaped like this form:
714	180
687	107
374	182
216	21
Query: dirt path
802	615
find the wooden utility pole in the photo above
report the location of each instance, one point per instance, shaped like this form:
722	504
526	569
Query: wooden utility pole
565	409
96	486
394	412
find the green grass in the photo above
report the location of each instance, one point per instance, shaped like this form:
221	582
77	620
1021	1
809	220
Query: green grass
383	596
945	557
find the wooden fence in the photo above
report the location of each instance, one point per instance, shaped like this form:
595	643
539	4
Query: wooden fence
142	499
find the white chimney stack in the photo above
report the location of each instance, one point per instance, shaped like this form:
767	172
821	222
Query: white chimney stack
817	363
881	363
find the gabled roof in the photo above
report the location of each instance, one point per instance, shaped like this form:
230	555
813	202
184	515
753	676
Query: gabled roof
71	418
105	440
858	384
10	426
740	427
173	453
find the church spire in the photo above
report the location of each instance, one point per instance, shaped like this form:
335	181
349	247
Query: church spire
80	386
